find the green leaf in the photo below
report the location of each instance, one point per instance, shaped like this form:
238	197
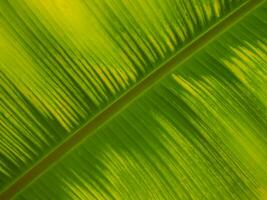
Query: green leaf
62	63
199	133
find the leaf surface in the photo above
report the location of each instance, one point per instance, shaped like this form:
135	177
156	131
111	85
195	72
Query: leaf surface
199	133
62	64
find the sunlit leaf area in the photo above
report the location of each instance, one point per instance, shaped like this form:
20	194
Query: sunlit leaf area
198	132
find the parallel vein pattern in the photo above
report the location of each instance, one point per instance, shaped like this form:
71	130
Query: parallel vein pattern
198	134
62	62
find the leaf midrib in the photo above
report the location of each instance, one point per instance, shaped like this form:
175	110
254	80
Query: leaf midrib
136	91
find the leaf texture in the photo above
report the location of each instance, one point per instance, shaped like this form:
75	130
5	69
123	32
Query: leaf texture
62	62
200	133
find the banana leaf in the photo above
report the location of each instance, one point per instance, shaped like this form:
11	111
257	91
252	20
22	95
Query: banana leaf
133	99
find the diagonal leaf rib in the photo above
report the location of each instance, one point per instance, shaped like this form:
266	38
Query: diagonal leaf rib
117	106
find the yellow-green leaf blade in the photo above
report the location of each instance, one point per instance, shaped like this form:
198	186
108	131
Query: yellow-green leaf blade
200	133
62	63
